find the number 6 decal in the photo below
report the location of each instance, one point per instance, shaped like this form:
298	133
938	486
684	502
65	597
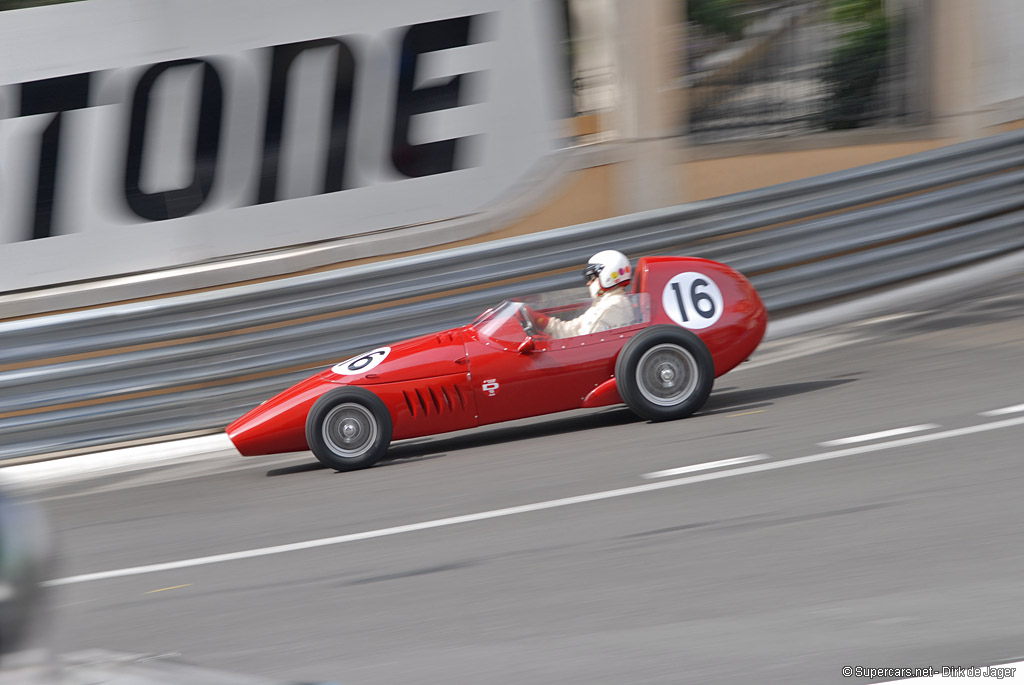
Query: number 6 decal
362	363
692	300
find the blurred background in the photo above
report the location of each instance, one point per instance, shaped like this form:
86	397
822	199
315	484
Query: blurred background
206	202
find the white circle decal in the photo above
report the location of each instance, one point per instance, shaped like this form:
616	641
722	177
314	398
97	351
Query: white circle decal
362	363
692	300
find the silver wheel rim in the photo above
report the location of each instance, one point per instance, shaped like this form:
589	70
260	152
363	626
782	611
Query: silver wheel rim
349	430
666	374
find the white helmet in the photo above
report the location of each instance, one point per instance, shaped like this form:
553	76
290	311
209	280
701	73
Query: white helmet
607	269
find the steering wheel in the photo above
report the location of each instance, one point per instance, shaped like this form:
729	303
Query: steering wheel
526	321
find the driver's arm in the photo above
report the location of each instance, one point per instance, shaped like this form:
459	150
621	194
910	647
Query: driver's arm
603	316
619	314
541	321
558	328
553	326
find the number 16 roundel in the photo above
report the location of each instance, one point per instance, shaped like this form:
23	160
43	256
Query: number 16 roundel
692	300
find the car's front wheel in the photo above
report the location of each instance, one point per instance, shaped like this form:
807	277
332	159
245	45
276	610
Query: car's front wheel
664	372
348	429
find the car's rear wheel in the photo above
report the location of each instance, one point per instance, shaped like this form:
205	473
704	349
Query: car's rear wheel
664	373
349	429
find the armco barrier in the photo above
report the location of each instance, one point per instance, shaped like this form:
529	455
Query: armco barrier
194	362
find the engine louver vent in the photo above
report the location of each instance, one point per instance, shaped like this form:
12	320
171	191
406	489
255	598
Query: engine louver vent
434	400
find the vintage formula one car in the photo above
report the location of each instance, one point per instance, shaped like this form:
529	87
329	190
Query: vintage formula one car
692	320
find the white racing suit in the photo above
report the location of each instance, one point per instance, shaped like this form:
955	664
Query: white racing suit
612	310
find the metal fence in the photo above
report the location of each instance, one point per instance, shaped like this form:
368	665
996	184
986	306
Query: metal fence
195	362
776	80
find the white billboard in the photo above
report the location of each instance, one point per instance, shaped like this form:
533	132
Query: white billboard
142	134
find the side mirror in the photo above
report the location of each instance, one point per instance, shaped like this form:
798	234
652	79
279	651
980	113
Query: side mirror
527	346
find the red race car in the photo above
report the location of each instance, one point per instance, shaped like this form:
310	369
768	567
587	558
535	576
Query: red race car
685	322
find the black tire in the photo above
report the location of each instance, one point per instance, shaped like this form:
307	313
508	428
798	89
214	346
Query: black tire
664	372
348	429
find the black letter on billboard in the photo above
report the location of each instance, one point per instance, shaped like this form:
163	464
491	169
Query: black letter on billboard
57	95
172	204
437	157
341	112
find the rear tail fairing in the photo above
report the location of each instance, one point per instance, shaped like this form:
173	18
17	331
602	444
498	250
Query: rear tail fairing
738	325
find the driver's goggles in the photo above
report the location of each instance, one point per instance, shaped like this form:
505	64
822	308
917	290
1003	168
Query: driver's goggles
591	272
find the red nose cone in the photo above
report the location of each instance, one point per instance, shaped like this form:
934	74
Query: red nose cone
245	434
279	424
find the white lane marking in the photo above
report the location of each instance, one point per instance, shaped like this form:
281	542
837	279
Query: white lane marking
705	466
526	508
998	672
867	437
1005	410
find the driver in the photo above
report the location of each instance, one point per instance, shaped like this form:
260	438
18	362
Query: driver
607	274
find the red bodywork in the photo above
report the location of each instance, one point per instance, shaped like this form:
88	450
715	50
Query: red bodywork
459	379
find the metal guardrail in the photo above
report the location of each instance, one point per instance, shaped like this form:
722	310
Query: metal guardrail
195	362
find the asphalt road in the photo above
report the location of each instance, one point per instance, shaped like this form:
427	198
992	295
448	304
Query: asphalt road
892	551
